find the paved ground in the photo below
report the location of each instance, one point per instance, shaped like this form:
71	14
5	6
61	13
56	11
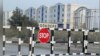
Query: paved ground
11	49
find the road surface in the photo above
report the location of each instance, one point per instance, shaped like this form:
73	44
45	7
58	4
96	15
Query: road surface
12	49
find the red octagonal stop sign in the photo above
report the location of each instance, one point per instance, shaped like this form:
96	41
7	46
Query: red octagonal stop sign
44	35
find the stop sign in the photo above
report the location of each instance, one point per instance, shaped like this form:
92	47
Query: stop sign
44	35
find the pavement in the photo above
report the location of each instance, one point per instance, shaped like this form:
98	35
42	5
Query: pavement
12	49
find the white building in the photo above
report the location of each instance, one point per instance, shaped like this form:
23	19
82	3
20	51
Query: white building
6	16
42	14
86	18
31	13
70	14
63	14
80	18
94	24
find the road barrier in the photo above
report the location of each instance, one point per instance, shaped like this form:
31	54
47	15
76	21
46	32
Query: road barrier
32	42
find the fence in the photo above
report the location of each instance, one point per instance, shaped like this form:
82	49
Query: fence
32	42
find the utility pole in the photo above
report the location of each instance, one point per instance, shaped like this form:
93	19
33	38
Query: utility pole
99	14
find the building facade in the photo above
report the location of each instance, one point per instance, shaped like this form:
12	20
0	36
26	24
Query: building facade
6	16
31	13
86	18
95	17
62	14
42	14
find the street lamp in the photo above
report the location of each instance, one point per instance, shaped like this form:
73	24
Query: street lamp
99	14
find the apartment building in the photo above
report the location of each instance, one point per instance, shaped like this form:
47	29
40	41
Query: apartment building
6	16
86	18
31	13
42	14
63	15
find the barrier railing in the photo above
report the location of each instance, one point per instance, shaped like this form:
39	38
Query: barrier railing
32	42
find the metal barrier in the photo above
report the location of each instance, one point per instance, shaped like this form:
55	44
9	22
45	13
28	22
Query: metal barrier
32	42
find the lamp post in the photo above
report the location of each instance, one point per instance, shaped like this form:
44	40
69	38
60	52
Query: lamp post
99	14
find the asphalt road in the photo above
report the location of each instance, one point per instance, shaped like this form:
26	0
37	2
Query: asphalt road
12	49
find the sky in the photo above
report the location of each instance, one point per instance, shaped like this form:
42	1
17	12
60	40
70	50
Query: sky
9	5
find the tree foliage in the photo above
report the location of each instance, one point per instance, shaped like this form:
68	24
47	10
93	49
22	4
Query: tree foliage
18	19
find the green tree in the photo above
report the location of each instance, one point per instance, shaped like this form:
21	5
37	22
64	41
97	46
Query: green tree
18	19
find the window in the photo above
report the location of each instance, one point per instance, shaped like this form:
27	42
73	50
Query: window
54	15
45	20
68	8
54	10
55	26
51	21
62	20
48	26
51	15
33	12
63	9
33	16
68	26
28	12
54	21
39	11
39	16
45	16
46	11
62	15
45	25
60	25
40	25
68	15
52	25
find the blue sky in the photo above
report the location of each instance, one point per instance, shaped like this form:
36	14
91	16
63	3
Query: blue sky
9	5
